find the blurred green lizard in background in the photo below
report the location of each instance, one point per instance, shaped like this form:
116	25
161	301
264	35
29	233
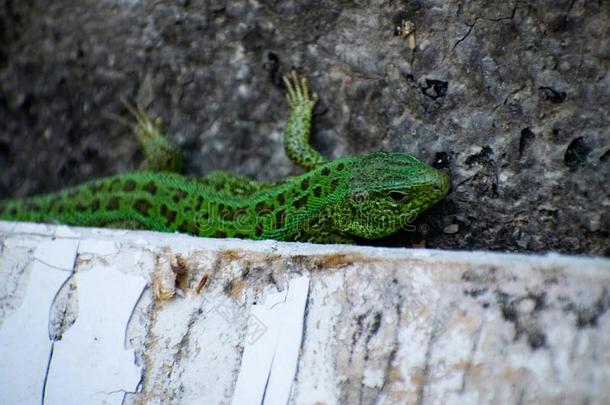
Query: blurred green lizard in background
368	196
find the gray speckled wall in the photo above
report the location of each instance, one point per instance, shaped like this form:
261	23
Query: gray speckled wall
512	98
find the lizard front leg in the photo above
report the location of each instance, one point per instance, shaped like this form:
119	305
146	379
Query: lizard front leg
298	127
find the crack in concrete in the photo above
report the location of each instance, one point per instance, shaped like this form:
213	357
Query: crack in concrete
46	374
303	332
470	28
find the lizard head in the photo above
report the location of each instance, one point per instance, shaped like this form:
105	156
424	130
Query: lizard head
386	191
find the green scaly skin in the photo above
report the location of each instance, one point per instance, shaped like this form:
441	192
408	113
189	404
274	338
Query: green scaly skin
370	196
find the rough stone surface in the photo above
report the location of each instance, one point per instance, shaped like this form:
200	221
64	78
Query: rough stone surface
511	98
385	326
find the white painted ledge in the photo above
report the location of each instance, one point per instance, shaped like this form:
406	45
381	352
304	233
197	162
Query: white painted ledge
101	316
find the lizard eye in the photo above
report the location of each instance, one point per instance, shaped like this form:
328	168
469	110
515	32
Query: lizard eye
398	196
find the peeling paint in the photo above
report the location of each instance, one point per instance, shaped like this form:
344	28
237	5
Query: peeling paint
25	346
375	325
273	341
90	364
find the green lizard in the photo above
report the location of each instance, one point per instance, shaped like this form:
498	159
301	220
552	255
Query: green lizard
368	196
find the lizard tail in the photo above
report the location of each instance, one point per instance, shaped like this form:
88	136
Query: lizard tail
33	209
72	206
112	201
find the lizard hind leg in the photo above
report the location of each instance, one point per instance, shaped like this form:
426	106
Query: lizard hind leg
234	186
160	153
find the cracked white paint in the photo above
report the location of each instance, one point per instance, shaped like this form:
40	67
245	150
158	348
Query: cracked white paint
318	383
378	325
58	253
25	346
90	364
270	359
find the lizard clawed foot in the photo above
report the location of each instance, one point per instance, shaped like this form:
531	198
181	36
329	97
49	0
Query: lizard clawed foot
160	153
298	93
145	128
